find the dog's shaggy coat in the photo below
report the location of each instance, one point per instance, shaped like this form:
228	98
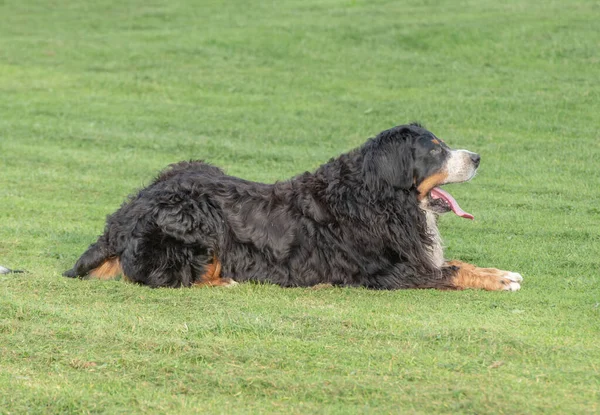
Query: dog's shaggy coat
365	218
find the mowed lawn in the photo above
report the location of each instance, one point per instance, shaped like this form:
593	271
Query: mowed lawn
97	97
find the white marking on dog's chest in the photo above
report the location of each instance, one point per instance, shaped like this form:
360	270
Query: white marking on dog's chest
437	250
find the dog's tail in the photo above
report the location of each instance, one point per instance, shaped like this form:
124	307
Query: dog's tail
96	262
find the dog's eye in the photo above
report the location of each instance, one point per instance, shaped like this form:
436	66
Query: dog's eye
436	151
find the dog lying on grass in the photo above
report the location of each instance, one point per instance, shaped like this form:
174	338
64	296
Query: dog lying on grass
366	218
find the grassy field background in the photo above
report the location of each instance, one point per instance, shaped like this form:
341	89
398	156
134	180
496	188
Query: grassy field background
97	97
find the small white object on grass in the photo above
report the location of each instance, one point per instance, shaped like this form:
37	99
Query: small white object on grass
4	270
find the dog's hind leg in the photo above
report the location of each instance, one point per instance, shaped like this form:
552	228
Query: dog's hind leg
211	277
160	261
171	263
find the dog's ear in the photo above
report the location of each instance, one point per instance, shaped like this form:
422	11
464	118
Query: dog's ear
388	164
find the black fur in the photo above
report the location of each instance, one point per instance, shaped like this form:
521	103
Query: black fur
355	221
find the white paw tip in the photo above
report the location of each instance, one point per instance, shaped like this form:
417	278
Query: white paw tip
514	276
513	286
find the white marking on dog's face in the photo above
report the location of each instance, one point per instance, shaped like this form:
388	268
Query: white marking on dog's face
460	166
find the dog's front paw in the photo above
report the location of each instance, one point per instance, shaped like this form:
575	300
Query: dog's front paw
512	281
492	279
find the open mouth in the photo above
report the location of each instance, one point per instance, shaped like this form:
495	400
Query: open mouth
444	201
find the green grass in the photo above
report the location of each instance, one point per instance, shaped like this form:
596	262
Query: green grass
96	97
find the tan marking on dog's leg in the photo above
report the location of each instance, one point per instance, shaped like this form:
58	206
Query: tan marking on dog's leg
492	279
109	269
212	276
431	182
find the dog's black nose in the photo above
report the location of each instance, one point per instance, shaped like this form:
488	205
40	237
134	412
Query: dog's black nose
476	158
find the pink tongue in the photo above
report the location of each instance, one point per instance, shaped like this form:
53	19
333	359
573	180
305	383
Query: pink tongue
438	193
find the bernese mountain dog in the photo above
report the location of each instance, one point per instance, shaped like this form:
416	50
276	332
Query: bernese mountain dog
366	218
